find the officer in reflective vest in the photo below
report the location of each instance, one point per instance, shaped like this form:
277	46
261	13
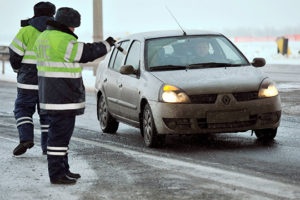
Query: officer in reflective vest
61	89
23	62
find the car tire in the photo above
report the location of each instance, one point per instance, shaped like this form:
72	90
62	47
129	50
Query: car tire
107	122
266	134
151	138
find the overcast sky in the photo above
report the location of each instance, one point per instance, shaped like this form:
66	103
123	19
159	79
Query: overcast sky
121	16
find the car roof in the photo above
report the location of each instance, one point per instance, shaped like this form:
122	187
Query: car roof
166	33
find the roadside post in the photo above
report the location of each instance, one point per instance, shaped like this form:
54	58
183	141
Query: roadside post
282	46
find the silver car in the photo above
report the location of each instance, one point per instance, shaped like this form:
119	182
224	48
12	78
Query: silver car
196	82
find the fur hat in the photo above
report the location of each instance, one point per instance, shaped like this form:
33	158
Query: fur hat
68	17
44	9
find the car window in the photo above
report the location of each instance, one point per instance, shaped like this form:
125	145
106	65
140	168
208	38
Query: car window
120	56
133	57
189	50
229	51
112	58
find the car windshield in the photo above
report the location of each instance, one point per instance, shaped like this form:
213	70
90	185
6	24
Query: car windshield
188	52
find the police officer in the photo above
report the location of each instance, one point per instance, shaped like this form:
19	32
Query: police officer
23	62
61	89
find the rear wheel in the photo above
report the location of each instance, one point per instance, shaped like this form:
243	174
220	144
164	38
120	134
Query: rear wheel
266	134
151	138
108	123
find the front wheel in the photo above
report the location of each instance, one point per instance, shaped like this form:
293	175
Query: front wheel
151	138
108	123
266	134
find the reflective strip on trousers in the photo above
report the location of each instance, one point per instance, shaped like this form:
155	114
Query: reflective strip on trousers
16	50
22	118
59	74
24	122
27	86
68	106
57	151
57	148
45	126
51	153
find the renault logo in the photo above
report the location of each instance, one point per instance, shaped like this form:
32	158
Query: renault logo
226	99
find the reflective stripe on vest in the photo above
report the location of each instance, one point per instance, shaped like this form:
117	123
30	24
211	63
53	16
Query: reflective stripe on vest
29	61
79	52
68	106
70	49
16	50
58	64
19	43
27	86
29	57
59	74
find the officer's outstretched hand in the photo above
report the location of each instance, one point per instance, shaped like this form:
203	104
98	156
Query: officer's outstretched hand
111	41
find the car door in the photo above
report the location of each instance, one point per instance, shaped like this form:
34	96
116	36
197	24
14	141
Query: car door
130	94
111	82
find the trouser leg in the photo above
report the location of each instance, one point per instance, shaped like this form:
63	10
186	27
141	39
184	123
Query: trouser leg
24	109
44	122
59	135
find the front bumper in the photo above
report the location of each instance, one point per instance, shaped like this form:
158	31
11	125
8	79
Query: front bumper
216	118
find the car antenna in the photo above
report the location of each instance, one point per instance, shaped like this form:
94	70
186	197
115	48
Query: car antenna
184	33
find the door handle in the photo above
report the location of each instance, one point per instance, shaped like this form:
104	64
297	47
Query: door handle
120	85
105	80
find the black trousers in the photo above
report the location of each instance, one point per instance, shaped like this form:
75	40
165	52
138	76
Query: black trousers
25	107
60	132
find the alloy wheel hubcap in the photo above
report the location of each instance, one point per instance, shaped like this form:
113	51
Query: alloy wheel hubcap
147	126
103	113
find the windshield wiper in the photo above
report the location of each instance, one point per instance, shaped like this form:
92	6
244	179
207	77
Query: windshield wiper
167	67
212	64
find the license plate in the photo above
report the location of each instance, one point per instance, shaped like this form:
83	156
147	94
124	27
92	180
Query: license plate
227	116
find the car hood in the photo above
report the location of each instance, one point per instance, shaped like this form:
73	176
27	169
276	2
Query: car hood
213	80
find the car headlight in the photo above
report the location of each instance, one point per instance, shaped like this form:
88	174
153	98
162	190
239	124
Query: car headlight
172	94
267	89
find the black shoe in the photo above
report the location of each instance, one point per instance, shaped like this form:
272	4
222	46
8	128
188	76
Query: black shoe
22	148
73	175
63	180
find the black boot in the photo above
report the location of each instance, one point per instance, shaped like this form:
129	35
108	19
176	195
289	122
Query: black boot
73	175
63	180
22	148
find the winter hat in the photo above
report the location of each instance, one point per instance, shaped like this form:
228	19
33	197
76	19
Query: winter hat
44	9
68	17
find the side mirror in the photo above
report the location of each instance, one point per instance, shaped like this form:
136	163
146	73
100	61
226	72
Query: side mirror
128	69
258	62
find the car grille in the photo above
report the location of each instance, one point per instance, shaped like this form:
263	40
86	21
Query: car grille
245	96
203	98
204	125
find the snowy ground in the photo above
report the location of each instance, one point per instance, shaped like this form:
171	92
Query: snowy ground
268	50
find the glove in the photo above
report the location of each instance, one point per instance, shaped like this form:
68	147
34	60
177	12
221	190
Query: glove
111	41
